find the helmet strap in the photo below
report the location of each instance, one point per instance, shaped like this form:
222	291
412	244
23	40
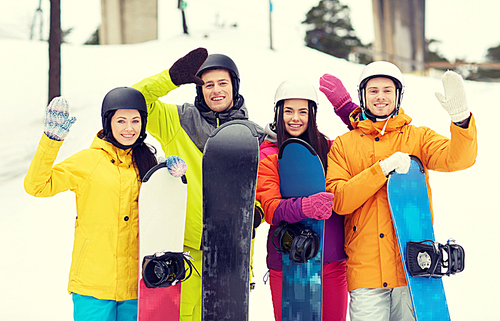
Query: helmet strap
366	113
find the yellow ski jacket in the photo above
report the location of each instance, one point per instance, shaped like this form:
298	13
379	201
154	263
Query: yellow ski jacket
106	185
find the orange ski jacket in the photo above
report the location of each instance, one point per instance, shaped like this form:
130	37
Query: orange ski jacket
355	177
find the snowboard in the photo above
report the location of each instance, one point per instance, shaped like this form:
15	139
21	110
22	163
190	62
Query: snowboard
301	174
162	214
230	163
411	215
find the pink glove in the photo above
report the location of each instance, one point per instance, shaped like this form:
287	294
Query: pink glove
335	91
318	206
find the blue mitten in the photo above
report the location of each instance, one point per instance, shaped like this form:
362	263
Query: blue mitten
57	120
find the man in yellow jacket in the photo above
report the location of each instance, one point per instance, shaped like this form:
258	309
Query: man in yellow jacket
183	131
358	165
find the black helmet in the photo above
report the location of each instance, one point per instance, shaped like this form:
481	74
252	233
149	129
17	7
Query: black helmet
220	61
215	61
123	98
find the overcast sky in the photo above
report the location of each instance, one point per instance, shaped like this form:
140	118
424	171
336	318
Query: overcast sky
465	30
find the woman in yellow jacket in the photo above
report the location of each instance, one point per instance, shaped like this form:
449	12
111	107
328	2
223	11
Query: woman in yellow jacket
358	165
106	179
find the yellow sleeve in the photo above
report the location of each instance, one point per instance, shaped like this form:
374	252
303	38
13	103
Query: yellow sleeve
44	180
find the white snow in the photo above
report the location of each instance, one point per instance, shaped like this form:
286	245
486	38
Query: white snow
36	234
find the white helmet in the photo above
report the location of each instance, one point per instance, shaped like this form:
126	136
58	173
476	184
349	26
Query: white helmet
381	69
296	89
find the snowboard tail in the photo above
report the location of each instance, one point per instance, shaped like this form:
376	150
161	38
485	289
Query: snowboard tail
157	304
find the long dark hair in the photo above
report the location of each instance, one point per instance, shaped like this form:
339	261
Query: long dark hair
312	135
144	157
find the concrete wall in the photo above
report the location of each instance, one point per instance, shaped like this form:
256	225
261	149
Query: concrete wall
399	27
128	21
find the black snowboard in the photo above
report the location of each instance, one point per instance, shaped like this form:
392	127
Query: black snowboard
230	163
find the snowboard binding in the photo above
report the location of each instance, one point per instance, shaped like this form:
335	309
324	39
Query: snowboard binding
431	259
301	243
164	269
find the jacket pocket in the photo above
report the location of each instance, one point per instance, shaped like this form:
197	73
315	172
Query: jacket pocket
351	228
82	256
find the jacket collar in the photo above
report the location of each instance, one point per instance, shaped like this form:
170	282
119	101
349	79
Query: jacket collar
238	111
270	134
369	127
120	155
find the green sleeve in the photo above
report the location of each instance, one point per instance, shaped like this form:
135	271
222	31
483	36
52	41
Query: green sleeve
163	118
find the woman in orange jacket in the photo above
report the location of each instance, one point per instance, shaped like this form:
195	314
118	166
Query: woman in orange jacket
295	116
106	179
358	165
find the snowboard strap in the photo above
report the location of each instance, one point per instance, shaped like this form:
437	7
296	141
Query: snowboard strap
295	239
164	269
431	259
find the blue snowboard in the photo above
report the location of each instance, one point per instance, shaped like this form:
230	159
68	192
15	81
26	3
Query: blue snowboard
411	215
301	174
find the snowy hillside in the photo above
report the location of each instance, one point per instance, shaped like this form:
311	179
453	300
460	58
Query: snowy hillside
36	234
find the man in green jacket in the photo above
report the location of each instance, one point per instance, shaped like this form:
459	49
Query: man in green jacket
183	131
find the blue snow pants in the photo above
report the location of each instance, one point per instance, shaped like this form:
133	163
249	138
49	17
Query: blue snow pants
87	308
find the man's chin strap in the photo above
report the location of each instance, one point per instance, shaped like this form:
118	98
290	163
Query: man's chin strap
368	114
374	118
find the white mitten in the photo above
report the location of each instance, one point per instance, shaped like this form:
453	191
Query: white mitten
400	162
57	121
454	100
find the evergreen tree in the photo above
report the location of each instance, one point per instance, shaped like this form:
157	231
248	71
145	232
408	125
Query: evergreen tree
94	38
430	55
331	30
493	54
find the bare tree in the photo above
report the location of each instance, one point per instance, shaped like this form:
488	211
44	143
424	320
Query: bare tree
55	39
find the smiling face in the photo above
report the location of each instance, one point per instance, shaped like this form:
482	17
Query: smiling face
380	96
126	126
296	116
217	90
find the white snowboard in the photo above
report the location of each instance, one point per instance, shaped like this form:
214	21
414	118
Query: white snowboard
162	215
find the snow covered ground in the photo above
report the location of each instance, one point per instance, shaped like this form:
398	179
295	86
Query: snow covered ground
36	234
